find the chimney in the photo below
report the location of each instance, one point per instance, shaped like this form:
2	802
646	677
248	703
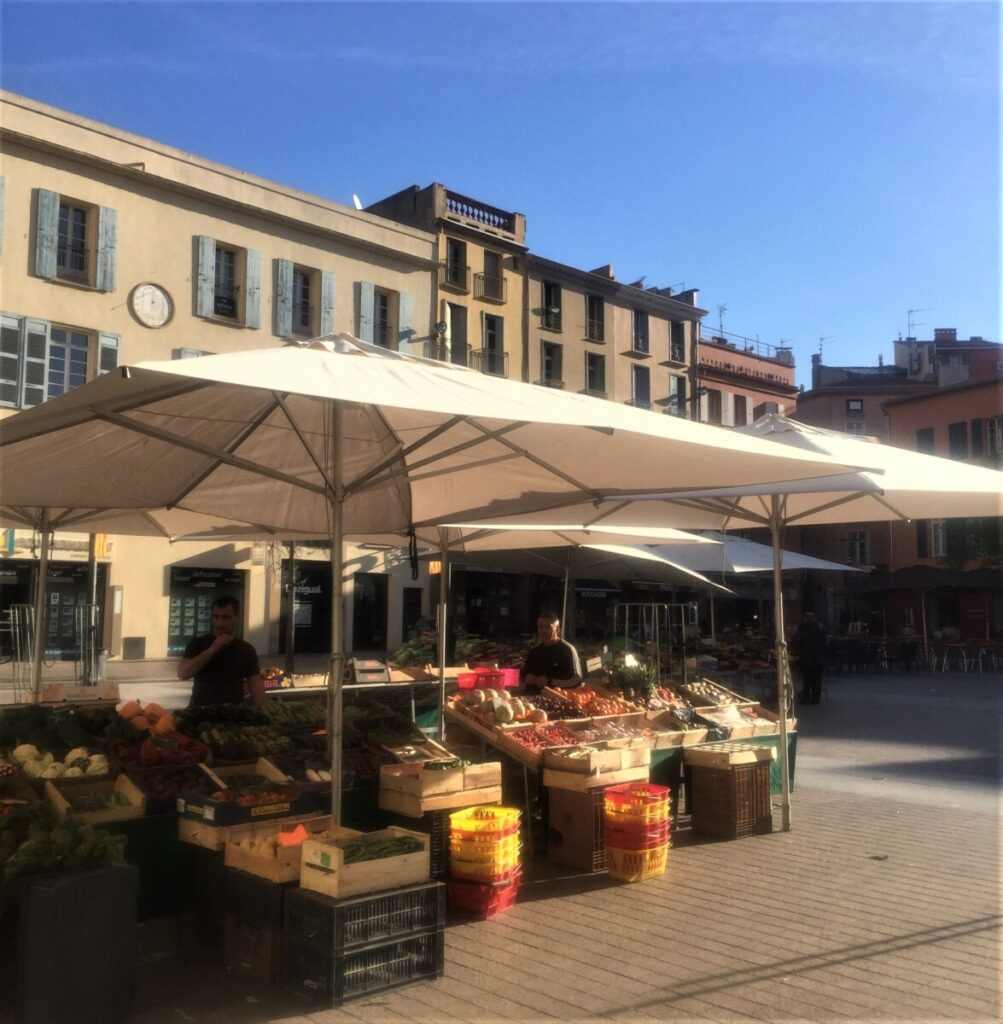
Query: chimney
881	360
604	271
816	369
945	335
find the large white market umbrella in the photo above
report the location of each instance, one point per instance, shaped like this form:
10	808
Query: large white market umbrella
738	555
308	439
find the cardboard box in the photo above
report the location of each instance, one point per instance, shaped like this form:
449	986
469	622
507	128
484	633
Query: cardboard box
323	868
59	792
284	866
292	800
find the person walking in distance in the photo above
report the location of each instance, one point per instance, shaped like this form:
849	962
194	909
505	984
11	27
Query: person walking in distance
808	646
221	663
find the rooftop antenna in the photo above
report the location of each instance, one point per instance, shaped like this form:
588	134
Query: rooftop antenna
822	341
356	201
910	323
721	310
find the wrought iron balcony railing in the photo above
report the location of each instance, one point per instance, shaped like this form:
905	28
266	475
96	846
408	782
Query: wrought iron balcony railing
489	360
455	276
490	287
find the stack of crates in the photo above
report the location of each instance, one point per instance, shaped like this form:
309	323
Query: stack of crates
637	831
336	950
252	940
484	860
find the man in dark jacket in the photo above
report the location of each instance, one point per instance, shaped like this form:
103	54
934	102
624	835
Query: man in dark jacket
808	646
553	662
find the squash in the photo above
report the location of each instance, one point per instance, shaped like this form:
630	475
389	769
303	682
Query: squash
130	709
164	724
140	722
153	711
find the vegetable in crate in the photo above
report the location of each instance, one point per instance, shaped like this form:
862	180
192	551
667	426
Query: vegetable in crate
361	848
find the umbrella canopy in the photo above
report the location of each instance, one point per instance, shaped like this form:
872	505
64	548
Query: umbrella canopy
326	437
737	555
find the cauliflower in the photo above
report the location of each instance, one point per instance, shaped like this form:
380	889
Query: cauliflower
53	771
73	773
25	753
77	754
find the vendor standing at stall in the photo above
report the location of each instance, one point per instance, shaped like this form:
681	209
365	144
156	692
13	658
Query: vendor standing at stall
221	663
553	662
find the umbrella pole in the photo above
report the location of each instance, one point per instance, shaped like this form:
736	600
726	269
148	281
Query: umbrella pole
564	599
922	615
39	630
783	668
336	507
443	625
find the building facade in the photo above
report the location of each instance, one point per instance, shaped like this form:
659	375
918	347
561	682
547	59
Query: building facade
741	379
118	249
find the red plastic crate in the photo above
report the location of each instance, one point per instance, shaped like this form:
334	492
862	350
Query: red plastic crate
639	800
487	877
637	839
481	901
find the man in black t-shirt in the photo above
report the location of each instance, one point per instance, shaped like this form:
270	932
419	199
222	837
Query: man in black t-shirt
553	662
220	662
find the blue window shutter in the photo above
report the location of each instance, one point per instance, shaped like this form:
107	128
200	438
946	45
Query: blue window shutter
11	343
35	364
366	311
206	275
326	302
252	288
46	232
104	279
107	352
404	331
284	298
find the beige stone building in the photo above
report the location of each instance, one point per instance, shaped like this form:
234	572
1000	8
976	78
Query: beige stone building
118	249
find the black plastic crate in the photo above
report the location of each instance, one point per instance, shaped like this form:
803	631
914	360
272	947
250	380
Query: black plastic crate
208	897
255	900
333	980
313	920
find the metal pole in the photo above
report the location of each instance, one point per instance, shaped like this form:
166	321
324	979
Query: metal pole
290	639
783	667
564	602
41	619
336	506
90	646
443	624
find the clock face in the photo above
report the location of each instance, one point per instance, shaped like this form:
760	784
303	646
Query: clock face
151	305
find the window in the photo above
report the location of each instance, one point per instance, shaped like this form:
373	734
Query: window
857	547
938	538
383	317
677	342
39	360
714	406
976	426
994	436
922	538
455	270
595	374
551	318
493	351
459	347
75	241
641	387
229	283
741	410
677	395
854	407
304	300
551	355
925	440
595	329
640	337
957	440
855	427
491	284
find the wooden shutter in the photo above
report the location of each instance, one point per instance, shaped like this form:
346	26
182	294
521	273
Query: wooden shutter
366	311
404	331
35	364
46	232
107	352
252	288
327	283
205	271
727	409
104	277
284	298
10	360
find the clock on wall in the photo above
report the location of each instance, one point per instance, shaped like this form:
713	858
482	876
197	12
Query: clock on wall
151	305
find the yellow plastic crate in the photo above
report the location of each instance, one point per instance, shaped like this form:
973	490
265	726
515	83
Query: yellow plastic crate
472	822
489	851
640	822
636	865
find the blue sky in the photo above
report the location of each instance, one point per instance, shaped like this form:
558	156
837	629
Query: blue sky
820	168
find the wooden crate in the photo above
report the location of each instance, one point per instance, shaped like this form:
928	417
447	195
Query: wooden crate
323	869
122	785
739	730
411	806
419	752
213	837
677	737
579	783
772	716
413	791
593	759
698	699
723	755
285	865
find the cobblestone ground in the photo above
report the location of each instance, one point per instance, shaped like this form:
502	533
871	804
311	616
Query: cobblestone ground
881	904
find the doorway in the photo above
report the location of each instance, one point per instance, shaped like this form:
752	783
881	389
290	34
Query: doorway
369	615
411	612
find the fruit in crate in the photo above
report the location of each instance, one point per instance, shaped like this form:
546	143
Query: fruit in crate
169	749
6	768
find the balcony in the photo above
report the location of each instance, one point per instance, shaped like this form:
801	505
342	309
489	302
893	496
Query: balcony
550	319
551	382
480	213
594	392
639	403
454	276
489	360
639	347
454	352
490	288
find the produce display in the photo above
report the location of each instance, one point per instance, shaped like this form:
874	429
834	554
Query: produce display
294	714
706	691
375	847
273	677
593	703
255	796
162	785
85	803
610	729
149	716
541	736
77	763
168	749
